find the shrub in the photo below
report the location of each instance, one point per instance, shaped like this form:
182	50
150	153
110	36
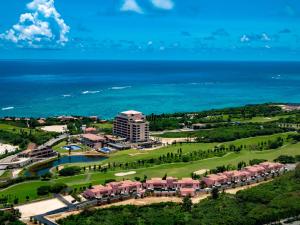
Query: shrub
285	159
70	171
57	188
46	176
43	190
256	161
297	171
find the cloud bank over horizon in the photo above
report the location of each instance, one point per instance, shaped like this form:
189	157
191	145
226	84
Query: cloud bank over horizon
150	29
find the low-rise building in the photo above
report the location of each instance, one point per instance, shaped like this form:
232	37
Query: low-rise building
13	162
98	191
270	166
66	118
40	152
191	192
94	118
237	175
92	140
116	142
187	183
215	179
156	184
126	187
184	187
41	121
255	170
90	130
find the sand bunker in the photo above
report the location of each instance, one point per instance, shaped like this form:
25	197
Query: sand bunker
139	153
200	172
55	128
172	140
125	173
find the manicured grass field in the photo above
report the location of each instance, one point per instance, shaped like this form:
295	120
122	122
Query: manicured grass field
104	127
260	119
107	125
134	155
13	129
175	169
22	190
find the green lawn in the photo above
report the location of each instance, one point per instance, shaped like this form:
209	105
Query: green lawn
260	119
22	190
12	129
176	169
134	155
104	127
107	125
6	175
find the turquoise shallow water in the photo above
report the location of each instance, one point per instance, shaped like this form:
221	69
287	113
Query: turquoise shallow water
104	88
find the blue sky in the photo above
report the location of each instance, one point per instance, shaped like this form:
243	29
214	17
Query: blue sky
150	29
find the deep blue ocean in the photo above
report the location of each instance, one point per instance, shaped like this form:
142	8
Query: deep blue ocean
104	88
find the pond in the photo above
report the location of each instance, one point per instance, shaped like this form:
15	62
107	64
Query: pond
44	168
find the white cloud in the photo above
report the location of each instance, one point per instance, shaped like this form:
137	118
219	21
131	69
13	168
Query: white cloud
34	27
131	5
265	37
163	4
244	38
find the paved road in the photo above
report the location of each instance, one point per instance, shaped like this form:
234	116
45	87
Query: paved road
43	220
54	140
63	200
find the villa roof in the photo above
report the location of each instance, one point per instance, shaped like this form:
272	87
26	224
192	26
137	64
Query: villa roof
156	181
41	121
125	183
259	167
100	188
270	165
254	169
90	129
236	173
171	178
187	191
93	137
188	180
217	176
129	183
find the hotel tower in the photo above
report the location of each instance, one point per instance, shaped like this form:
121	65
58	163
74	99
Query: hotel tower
131	125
